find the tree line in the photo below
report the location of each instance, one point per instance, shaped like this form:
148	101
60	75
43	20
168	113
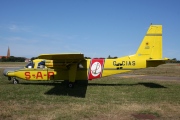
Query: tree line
12	59
174	60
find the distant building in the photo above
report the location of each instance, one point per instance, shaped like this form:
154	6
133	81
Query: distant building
8	54
27	60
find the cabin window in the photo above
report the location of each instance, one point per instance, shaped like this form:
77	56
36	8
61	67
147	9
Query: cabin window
41	64
80	66
30	65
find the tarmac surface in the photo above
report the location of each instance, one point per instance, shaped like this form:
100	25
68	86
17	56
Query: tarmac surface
8	67
148	77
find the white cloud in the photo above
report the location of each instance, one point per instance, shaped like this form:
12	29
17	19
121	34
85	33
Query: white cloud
14	39
14	28
19	40
17	28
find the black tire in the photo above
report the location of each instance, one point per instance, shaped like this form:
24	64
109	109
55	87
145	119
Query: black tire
15	81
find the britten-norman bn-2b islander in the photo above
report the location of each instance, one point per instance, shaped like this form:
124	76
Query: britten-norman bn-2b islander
73	66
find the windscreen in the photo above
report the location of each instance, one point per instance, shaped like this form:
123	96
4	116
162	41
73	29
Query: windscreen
30	65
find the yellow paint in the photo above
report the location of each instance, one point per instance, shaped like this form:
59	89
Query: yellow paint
73	66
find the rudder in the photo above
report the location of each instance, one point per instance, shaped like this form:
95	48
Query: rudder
151	46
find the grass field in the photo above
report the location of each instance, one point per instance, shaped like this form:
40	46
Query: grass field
109	98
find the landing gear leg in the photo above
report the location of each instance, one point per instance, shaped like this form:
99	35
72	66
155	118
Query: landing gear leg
72	75
9	78
15	81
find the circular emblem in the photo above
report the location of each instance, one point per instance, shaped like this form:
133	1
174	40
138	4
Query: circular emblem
96	69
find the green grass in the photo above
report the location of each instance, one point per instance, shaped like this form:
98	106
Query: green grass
106	98
170	69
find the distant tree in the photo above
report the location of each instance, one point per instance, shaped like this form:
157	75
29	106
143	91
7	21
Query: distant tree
13	59
3	59
174	59
109	57
20	59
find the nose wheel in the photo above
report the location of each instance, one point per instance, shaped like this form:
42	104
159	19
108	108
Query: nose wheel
15	81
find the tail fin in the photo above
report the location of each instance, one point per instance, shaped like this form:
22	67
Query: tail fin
151	46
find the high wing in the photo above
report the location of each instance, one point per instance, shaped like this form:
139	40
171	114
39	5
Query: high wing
64	56
53	60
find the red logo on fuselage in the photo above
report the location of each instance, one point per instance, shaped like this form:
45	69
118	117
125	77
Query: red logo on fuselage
96	68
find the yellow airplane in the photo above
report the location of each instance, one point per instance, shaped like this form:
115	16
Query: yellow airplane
74	66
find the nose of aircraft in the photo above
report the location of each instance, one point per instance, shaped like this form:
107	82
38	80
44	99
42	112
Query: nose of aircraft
5	72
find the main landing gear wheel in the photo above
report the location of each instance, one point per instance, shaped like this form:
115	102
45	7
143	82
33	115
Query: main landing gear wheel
71	85
15	81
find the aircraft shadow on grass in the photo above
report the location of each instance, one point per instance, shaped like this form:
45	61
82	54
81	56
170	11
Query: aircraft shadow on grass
61	88
79	90
146	84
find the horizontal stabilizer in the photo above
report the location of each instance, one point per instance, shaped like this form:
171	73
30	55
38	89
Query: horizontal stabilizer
155	62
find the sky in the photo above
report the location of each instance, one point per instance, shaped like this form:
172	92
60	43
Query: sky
96	28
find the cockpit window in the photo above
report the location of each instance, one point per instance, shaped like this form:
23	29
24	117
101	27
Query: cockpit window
41	64
30	65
